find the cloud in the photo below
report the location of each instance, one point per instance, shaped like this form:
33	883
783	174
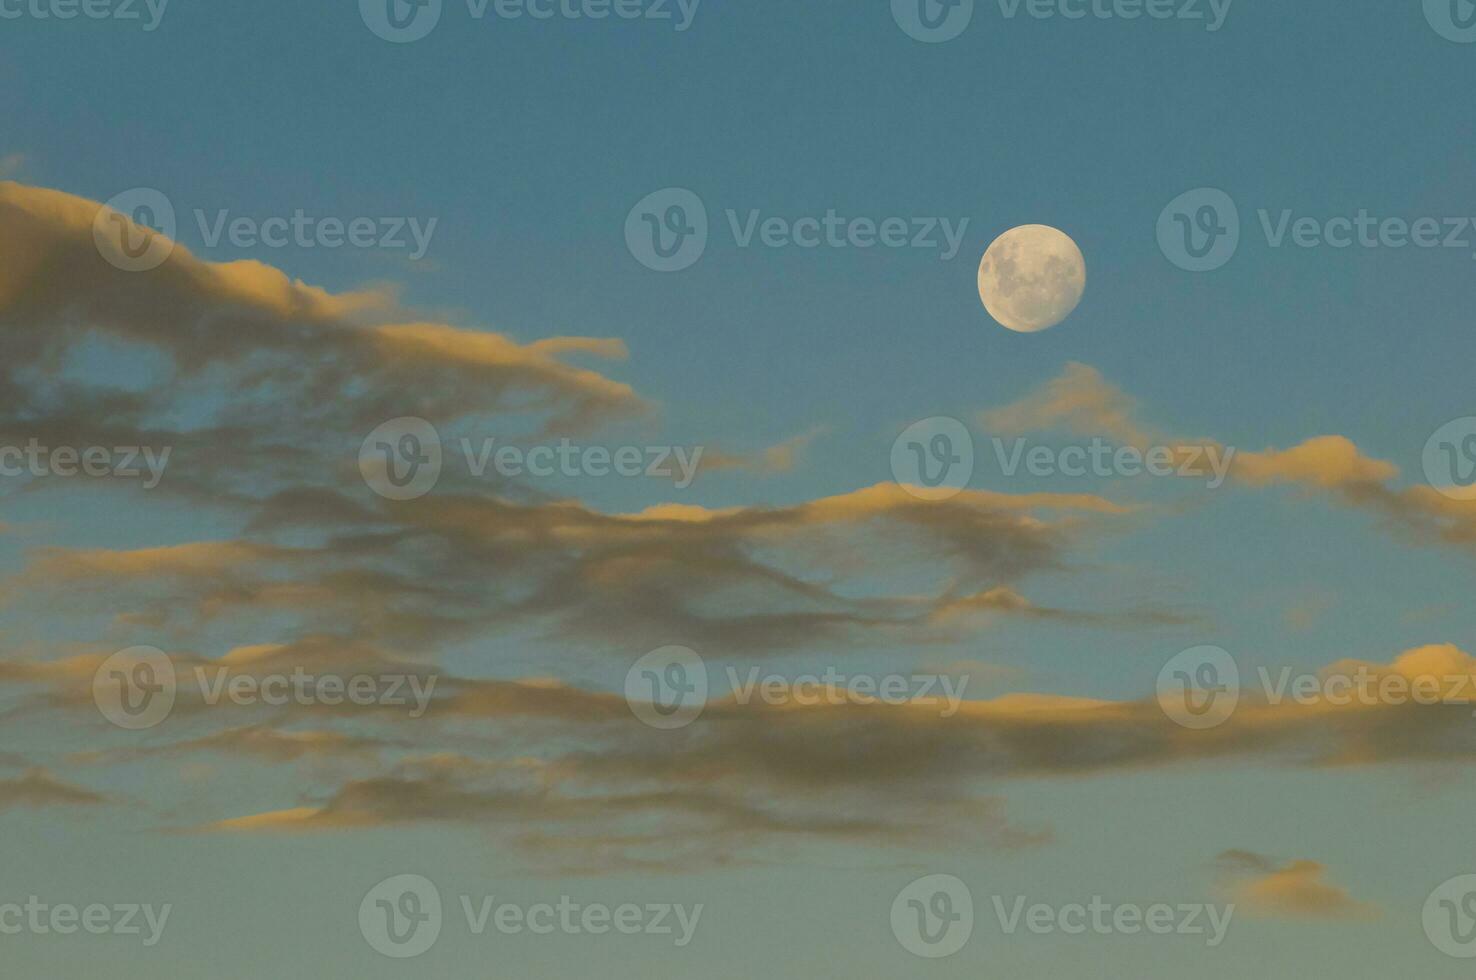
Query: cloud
38	788
573	765
1079	401
565	819
253	741
1333	466
1298	889
282	376
749	580
1324	463
570	777
1005	601
780	458
282	380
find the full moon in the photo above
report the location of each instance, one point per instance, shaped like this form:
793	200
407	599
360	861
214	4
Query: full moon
1031	278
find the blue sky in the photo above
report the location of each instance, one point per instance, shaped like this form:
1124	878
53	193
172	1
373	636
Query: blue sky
528	142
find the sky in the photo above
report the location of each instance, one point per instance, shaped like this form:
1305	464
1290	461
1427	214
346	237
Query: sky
322	299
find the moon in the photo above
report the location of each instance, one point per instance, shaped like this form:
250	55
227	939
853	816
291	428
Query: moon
1031	278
